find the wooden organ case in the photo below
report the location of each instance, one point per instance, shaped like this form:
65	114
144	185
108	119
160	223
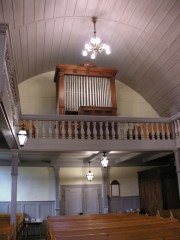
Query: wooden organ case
85	90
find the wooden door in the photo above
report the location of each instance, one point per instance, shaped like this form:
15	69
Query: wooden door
91	201
73	201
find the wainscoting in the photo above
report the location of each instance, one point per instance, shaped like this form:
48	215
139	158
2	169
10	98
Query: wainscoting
91	202
33	209
123	204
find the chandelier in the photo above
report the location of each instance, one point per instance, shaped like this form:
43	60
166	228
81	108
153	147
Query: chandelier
104	160
89	175
95	44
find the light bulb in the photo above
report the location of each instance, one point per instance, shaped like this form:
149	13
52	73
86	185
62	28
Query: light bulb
93	56
84	53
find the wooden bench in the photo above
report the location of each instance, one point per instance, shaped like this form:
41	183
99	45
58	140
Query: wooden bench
113	227
176	213
5	218
6	231
128	233
98	228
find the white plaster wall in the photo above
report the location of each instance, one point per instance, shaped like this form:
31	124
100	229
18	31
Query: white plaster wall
128	179
34	184
77	176
5	183
37	183
38	96
132	104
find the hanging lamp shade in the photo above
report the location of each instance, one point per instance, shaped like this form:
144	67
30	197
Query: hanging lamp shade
90	174
22	136
104	160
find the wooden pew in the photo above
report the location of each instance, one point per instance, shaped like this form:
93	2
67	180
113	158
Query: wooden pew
5	218
114	227
107	227
6	231
176	213
129	233
165	213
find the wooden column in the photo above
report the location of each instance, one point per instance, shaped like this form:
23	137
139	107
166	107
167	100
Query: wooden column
57	192
2	53
105	174
177	161
14	174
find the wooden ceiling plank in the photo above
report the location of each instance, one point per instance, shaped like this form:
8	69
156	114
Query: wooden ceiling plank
107	5
66	32
39	10
138	13
118	10
172	33
148	62
32	48
140	54
71	8
75	48
18	7
58	27
29	14
159	15
8	12
132	5
80	8
60	8
161	74
1	13
150	75
175	45
40	46
171	98
134	49
119	39
91	8
49	9
144	61
48	44
148	14
24	49
167	21
170	81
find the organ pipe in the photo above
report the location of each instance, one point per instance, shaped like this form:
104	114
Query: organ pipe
86	91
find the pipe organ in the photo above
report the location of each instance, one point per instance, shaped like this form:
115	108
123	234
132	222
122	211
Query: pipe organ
83	88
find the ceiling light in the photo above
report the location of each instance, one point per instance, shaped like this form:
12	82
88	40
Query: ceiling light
95	44
89	175
104	160
22	136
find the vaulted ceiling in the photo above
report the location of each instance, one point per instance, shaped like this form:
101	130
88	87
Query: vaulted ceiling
144	36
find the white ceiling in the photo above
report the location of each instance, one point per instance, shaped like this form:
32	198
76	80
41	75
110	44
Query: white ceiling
144	36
